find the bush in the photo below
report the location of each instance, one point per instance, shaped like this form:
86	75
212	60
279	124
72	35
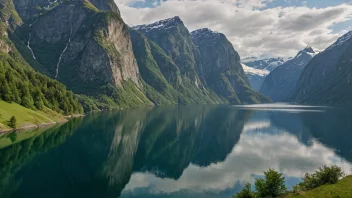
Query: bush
273	185
324	175
13	122
245	193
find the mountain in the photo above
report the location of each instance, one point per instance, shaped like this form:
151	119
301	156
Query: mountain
86	45
279	84
268	64
163	80
87	48
221	68
256	77
327	77
202	74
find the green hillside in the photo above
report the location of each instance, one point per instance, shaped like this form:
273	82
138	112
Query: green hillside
343	189
26	117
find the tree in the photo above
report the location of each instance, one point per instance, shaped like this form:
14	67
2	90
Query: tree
13	122
324	175
271	186
245	193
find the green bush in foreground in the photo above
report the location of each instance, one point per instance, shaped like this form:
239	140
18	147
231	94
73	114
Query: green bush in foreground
324	175
271	186
246	193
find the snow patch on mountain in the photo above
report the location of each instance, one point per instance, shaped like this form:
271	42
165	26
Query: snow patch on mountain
266	63
253	71
163	24
341	40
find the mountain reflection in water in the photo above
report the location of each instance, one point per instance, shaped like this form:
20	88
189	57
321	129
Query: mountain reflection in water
174	151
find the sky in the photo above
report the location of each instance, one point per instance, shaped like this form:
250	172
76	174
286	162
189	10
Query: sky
256	28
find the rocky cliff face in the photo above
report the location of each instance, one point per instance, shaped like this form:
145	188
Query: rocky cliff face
327	77
222	69
279	84
82	46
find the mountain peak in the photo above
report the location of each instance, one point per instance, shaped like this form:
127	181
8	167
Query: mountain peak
308	49
203	32
162	24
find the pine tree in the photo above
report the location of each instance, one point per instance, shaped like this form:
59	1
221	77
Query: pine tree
13	122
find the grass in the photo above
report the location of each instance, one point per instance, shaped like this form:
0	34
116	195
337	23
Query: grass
5	139
343	189
24	116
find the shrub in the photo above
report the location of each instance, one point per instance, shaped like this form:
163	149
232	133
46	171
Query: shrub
273	185
13	122
324	175
245	193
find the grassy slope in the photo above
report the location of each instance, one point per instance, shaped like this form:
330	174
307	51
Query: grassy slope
343	189
25	116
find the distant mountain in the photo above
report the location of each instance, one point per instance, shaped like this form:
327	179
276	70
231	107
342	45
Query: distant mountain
256	77
279	84
327	77
268	64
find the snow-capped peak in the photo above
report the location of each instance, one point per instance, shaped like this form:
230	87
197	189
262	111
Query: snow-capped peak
163	24
203	32
341	40
308	51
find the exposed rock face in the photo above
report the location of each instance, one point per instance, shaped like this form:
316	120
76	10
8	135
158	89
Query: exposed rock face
327	77
222	69
83	47
279	84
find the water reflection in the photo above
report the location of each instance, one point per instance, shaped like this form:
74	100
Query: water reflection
175	151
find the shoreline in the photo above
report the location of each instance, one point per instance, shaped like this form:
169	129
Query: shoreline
43	125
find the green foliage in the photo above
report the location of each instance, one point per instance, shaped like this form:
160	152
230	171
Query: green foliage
13	122
245	193
342	189
324	175
273	185
21	84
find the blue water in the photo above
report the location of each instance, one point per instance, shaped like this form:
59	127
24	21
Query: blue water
174	151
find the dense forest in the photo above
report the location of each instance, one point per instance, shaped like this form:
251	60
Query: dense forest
20	84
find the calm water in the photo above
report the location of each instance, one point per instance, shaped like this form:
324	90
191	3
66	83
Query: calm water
180	151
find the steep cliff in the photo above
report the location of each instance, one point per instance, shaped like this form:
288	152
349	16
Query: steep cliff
19	83
86	48
279	84
327	77
222	69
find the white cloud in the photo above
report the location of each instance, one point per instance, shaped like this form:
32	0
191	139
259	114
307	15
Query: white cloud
254	153
253	32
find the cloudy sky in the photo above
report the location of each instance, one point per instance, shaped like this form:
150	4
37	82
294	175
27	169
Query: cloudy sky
262	28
